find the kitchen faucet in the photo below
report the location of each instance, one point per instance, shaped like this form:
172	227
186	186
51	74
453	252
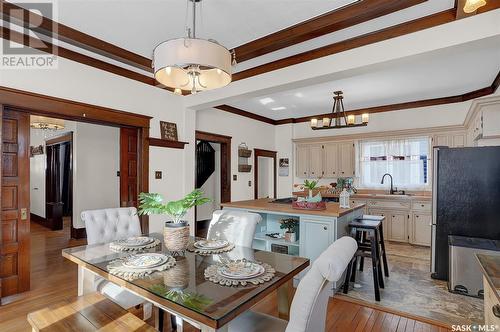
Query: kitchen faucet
382	182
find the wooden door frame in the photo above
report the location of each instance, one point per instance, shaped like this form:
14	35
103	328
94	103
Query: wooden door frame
268	154
225	161
38	104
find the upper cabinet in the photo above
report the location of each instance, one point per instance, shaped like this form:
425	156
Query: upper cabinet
453	139
328	160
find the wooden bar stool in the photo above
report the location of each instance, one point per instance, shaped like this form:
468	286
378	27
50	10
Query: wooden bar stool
360	229
381	239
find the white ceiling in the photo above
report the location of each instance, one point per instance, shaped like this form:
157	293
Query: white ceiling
445	73
139	25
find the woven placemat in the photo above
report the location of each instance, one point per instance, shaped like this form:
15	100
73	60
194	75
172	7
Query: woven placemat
207	252
116	268
119	247
212	274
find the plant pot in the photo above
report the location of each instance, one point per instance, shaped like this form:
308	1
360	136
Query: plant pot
176	236
290	237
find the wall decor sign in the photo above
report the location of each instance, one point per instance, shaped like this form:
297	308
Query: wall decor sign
168	131
283	167
36	150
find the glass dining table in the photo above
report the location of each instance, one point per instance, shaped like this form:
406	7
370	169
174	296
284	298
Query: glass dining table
183	290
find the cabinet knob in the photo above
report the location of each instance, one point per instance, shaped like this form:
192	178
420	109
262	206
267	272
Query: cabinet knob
312	172
422	205
342	172
325	228
496	310
416	216
304	172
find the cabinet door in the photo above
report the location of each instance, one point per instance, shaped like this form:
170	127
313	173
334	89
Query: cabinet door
302	160
458	140
346	159
421	229
316	238
331	160
442	140
315	161
397	229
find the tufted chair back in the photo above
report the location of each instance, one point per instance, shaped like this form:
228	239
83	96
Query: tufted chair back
106	225
237	227
310	302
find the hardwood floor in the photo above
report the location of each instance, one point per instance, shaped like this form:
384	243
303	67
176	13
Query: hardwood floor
53	279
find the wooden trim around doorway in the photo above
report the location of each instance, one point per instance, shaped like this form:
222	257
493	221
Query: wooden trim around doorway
263	153
225	156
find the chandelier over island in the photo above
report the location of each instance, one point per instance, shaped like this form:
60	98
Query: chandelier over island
339	114
192	64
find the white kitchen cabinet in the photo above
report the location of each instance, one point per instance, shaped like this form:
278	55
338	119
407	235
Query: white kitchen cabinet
453	140
421	229
316	236
441	140
459	140
331	160
315	161
302	161
346	168
397	227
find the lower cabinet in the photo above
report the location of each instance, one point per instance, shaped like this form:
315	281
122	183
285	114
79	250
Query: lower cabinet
421	229
397	226
316	237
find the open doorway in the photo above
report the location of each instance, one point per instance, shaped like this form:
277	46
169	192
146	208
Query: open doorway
264	174
213	175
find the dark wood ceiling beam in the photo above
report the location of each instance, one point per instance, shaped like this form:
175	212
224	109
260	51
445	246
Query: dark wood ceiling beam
377	109
48	27
49	48
332	21
366	39
237	111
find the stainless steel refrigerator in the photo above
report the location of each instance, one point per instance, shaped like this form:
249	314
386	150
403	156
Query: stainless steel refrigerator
465	199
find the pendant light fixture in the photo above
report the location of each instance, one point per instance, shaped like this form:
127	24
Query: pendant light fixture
192	63
335	122
472	5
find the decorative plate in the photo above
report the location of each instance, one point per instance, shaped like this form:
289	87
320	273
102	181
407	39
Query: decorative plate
211	244
135	241
145	261
241	270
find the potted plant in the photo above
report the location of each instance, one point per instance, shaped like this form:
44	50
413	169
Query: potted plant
310	185
291	225
176	231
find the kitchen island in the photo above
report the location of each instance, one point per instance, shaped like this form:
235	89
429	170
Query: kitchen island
317	229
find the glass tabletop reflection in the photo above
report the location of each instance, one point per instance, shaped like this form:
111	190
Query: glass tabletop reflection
185	283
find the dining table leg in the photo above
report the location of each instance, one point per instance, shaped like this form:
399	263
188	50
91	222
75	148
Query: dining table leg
285	299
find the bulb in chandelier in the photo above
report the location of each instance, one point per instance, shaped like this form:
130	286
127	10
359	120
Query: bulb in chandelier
177	91
314	122
326	122
365	117
472	5
350	119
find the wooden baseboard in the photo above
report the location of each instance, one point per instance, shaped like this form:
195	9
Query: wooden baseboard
78	233
391	311
40	220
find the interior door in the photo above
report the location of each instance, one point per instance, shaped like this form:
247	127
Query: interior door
128	167
15	222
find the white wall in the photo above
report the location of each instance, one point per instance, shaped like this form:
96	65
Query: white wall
96	159
254	133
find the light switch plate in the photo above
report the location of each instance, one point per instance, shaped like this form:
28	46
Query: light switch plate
158	175
250	183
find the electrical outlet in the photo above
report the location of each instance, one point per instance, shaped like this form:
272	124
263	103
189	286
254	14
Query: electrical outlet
235	177
158	175
249	183
117	173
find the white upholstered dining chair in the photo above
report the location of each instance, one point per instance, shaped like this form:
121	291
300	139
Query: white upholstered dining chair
107	225
237	227
309	305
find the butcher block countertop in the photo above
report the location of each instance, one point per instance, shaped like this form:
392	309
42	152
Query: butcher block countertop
263	204
490	266
374	195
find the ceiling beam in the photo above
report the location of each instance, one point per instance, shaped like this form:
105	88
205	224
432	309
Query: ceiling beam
366	39
49	48
237	111
22	17
341	18
376	109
